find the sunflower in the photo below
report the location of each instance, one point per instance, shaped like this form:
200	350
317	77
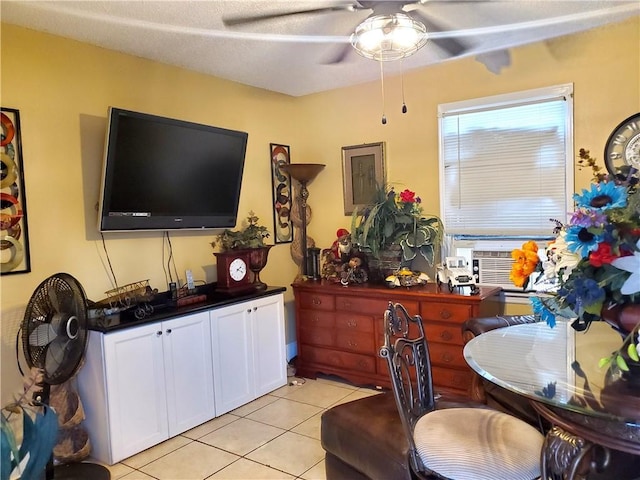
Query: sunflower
602	196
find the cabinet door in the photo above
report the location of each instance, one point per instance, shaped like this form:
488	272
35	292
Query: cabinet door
136	390
188	371
232	356
267	320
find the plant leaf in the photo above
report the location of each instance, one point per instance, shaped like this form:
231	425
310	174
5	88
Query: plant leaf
622	364
604	361
633	352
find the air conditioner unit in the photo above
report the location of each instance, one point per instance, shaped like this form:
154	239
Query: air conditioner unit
492	267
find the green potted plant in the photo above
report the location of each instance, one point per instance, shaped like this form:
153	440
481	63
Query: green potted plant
394	221
252	235
250	239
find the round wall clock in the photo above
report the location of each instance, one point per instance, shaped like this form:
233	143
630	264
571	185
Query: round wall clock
233	271
622	150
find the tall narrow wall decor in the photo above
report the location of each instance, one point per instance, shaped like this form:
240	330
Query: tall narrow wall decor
14	238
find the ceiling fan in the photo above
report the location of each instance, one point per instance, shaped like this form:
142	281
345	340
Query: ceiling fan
382	11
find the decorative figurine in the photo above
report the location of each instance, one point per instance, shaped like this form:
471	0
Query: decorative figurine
353	272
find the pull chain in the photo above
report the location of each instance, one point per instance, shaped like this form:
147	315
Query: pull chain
404	105
384	117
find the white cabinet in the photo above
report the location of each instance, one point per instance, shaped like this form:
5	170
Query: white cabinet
142	385
249	356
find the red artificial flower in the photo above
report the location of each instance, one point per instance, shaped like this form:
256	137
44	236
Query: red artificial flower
407	196
603	255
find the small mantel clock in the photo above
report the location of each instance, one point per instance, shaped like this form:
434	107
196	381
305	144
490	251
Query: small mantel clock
233	271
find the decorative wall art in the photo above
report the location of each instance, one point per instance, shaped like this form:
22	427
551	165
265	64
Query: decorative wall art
362	174
14	239
281	189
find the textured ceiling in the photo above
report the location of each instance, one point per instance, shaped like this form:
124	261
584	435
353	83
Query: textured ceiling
294	54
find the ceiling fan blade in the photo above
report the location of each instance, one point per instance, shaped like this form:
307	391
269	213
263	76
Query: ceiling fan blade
452	46
241	20
42	335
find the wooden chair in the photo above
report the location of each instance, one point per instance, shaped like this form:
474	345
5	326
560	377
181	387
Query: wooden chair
455	443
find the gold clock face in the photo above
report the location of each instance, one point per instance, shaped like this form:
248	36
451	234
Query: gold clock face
237	269
622	150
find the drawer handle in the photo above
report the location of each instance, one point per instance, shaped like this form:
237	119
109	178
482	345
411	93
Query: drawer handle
446	357
158	333
353	343
445	314
352	323
315	319
168	331
362	364
446	335
316	301
346	304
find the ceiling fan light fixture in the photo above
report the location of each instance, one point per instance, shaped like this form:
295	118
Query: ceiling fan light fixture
389	37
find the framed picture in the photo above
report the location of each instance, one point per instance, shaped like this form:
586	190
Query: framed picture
362	174
281	190
14	238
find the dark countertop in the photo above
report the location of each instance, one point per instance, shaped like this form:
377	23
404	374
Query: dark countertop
164	308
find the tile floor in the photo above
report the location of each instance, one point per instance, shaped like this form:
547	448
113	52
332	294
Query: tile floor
276	436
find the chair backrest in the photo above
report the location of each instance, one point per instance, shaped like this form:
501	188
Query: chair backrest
409	369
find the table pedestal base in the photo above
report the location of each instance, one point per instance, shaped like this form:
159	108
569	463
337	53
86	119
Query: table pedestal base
568	457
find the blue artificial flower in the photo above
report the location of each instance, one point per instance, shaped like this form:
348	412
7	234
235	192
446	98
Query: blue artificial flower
602	196
581	240
540	310
582	293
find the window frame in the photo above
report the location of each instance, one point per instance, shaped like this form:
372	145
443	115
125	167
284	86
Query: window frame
497	102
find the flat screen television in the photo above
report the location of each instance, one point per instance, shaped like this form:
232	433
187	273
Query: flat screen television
167	174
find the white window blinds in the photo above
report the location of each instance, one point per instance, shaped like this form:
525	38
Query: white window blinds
505	163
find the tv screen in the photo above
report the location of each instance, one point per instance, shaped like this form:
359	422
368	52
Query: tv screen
166	174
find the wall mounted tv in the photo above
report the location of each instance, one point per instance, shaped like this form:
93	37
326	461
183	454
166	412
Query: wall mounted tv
166	174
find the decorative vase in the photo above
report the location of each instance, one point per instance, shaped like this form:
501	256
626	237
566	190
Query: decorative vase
624	318
388	262
257	261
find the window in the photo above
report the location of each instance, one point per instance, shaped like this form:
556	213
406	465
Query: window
506	163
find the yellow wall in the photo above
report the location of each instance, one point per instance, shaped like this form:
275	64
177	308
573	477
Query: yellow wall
63	88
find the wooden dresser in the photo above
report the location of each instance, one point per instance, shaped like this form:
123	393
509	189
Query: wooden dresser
340	329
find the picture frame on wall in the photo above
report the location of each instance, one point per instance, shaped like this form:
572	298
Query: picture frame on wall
363	173
14	237
281	190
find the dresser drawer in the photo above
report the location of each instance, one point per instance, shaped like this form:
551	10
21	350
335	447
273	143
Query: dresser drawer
346	360
371	306
446	355
356	342
316	318
445	312
316	301
316	336
442	333
353	322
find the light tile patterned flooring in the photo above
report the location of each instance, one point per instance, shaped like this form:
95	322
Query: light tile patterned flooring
276	436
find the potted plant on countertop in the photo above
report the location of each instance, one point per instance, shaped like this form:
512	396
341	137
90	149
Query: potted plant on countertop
392	230
249	238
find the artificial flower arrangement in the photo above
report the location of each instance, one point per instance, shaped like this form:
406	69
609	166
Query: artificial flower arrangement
396	219
594	261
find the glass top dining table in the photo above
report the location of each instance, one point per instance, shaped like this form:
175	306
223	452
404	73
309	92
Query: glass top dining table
558	367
